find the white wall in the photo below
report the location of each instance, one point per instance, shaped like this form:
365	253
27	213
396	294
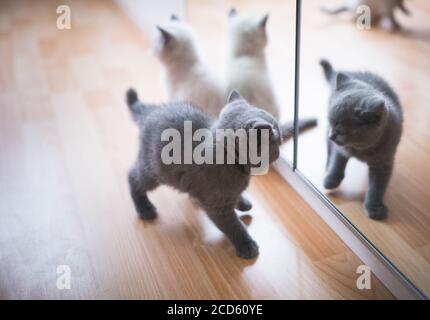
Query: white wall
147	13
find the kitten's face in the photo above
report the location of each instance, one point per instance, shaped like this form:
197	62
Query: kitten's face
247	33
174	41
238	114
357	120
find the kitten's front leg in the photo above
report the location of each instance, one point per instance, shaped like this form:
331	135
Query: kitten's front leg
379	176
336	165
329	152
227	221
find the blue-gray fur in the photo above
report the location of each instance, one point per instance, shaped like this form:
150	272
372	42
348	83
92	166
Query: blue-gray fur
216	187
365	120
287	128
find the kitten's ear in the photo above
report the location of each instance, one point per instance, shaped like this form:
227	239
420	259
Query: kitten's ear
341	80
167	36
259	125
174	17
374	113
263	21
234	95
232	12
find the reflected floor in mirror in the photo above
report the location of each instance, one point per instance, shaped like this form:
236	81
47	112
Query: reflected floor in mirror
402	58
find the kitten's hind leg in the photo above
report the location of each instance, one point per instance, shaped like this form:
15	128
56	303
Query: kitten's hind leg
243	204
379	176
227	221
139	185
335	169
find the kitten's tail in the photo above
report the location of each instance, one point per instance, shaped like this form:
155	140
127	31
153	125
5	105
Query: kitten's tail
403	8
287	129
335	10
328	69
134	105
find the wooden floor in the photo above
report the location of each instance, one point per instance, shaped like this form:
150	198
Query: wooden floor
66	144
403	59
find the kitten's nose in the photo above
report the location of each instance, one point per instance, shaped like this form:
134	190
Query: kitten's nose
332	135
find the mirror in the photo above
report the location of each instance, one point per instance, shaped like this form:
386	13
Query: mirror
361	125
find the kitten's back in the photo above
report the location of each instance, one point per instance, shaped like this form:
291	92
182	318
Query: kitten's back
173	116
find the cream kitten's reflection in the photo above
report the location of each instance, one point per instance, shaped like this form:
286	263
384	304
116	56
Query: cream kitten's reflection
247	70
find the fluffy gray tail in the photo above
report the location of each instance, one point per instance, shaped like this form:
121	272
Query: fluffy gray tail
328	69
287	129
335	10
134	105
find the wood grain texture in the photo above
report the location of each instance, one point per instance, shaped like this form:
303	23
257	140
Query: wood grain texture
66	144
403	60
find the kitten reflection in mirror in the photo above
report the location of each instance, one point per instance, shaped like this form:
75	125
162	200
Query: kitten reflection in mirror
365	122
247	70
380	11
186	76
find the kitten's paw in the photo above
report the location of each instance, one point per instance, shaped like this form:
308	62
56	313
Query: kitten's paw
376	211
147	211
247	250
244	205
332	182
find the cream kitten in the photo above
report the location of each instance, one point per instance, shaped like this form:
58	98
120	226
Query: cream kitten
186	76
247	70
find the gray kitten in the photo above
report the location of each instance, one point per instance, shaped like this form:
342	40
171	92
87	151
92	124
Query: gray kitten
365	119
216	187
